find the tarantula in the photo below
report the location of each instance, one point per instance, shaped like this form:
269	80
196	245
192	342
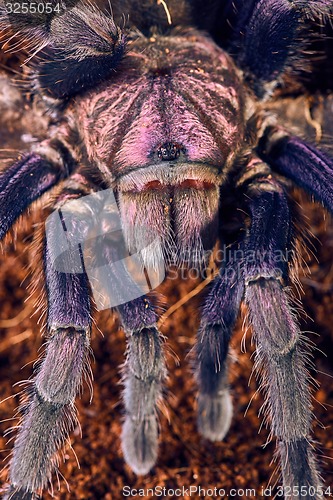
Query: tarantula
173	112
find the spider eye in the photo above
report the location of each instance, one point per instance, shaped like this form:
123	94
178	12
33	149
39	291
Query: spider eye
85	46
169	151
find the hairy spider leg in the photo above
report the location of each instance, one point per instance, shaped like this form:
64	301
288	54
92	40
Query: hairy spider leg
265	35
266	24
93	33
281	353
144	372
301	162
48	411
144	369
218	317
29	178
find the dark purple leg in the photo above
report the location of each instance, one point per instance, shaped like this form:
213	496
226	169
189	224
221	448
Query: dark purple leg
218	317
268	31
308	167
144	372
48	409
281	356
265	33
28	179
257	254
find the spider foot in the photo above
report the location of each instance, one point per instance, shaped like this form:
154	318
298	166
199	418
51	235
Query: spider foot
214	415
139	443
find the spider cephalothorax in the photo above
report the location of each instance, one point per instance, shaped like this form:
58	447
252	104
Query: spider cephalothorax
177	127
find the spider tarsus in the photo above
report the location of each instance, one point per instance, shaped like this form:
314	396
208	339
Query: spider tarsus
280	357
139	443
215	415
